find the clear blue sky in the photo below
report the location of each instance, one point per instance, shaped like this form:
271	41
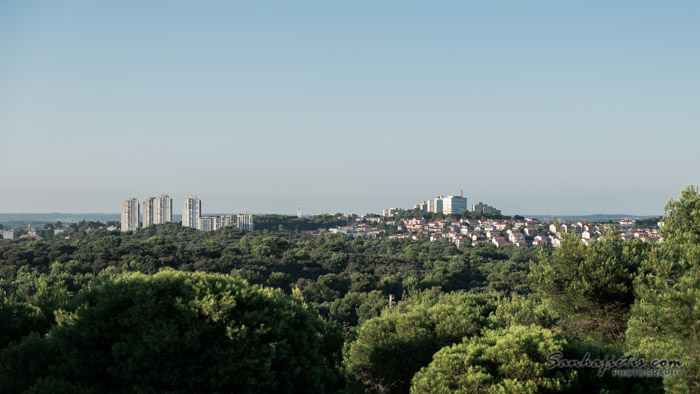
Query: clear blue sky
531	106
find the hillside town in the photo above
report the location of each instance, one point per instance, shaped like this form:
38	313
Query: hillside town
499	232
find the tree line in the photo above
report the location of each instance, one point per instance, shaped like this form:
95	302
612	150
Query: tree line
285	312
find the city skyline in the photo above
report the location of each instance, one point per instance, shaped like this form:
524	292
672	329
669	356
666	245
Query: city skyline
223	204
158	210
309	211
566	108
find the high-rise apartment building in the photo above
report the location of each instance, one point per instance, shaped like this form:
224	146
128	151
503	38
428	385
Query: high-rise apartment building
191	212
130	215
157	210
148	211
437	204
164	209
245	221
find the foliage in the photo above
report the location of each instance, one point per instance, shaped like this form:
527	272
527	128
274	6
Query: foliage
102	310
665	319
515	360
682	223
391	348
523	310
356	308
508	276
590	287
650	222
502	361
283	260
18	319
176	331
415	213
293	223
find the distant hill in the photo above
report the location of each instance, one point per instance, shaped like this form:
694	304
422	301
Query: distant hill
54	217
598	217
21	220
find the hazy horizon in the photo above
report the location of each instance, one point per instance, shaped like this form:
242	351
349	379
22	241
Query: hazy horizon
176	212
536	109
260	204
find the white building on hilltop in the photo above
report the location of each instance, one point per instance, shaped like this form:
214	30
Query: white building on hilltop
191	211
454	205
437	205
130	215
449	205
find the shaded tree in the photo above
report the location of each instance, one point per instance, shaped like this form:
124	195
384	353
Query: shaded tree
215	332
665	319
391	348
590	286
515	360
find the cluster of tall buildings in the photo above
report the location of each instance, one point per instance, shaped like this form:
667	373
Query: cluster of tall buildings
192	217
131	215
158	210
449	205
191	212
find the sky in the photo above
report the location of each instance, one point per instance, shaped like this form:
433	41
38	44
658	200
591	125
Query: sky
537	107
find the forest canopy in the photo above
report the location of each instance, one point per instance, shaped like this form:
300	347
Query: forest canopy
168	308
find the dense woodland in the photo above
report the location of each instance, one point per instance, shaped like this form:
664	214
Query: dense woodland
171	309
